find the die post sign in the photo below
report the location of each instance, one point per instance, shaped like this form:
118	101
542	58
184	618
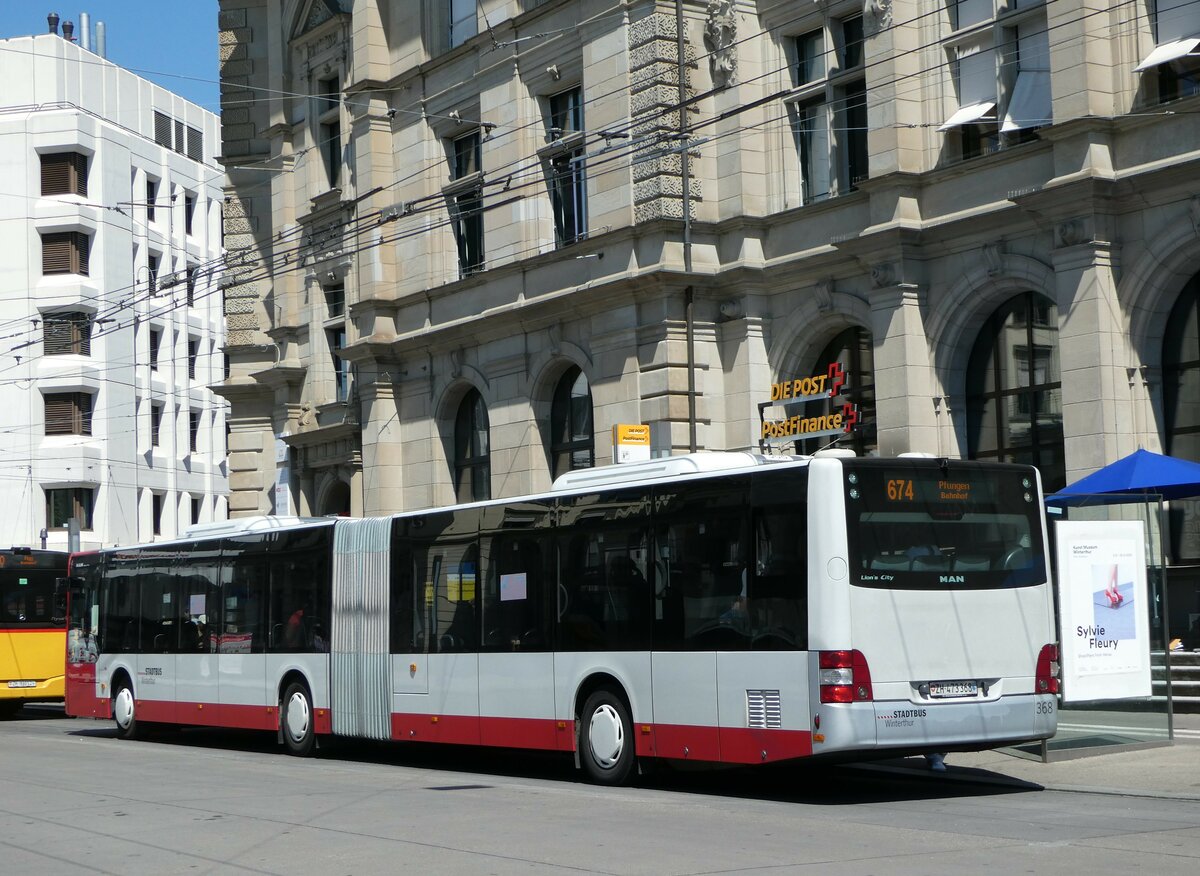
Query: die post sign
792	396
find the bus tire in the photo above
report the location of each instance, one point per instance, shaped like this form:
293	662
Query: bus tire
606	743
296	720
124	710
9	709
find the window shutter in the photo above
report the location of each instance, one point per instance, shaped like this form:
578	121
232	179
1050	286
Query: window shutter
66	333
162	129
193	430
83	404
179	137
56	336
195	144
82	251
56	174
976	75
79	163
56	252
68	413
155	423
83	334
59	414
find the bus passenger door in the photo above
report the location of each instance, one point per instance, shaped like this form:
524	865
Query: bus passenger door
82	694
154	685
700	614
241	650
408	642
446	563
516	664
683	671
763	689
197	680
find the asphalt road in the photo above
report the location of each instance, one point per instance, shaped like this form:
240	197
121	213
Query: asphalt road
73	799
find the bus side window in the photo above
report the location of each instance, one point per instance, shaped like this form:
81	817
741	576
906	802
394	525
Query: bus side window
297	621
407	633
778	603
245	593
705	563
158	605
450	573
120	633
515	597
606	590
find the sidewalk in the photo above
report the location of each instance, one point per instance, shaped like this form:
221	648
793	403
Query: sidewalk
1171	771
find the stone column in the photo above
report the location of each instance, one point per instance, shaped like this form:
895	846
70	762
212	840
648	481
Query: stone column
382	457
904	384
251	458
1097	413
743	345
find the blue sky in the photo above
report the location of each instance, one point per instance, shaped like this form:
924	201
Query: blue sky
171	42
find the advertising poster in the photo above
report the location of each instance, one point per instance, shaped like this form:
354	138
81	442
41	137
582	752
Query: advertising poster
1103	609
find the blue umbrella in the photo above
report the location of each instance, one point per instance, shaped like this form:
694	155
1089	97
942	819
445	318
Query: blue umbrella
1139	472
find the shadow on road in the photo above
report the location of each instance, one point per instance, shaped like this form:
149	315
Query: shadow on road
40	712
799	782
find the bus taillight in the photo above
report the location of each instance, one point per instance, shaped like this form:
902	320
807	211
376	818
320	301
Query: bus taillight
1046	677
844	677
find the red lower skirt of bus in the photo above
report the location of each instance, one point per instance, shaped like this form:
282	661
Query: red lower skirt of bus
679	741
682	742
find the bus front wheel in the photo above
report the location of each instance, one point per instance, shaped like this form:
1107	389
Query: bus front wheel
124	711
606	746
298	732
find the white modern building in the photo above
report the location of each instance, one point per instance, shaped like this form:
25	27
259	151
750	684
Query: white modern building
111	326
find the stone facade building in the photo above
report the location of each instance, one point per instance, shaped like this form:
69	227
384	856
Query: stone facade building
467	238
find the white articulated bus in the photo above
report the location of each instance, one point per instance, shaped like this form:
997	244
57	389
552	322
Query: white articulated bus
721	607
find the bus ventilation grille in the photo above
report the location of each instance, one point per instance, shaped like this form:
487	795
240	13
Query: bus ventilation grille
763	710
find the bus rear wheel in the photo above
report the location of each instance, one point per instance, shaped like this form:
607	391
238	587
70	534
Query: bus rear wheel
297	720
606	746
124	711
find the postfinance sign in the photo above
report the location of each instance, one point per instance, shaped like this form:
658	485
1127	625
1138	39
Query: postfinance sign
790	394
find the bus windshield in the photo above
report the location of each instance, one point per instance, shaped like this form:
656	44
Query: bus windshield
926	524
27	587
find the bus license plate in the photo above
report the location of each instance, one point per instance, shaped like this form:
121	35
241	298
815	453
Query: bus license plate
944	689
22	684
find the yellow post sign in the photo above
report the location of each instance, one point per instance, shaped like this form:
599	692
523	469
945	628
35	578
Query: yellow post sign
631	442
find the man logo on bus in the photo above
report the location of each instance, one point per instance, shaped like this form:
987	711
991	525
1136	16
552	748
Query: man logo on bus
952	579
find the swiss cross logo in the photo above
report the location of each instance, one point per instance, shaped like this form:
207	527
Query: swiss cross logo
837	379
849	416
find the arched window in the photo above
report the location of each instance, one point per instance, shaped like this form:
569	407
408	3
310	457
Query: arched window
572	437
472	469
1014	391
1181	403
853	349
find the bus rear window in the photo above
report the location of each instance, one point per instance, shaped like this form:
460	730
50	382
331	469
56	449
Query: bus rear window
917	524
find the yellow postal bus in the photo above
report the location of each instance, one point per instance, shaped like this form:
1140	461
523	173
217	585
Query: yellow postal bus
32	628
